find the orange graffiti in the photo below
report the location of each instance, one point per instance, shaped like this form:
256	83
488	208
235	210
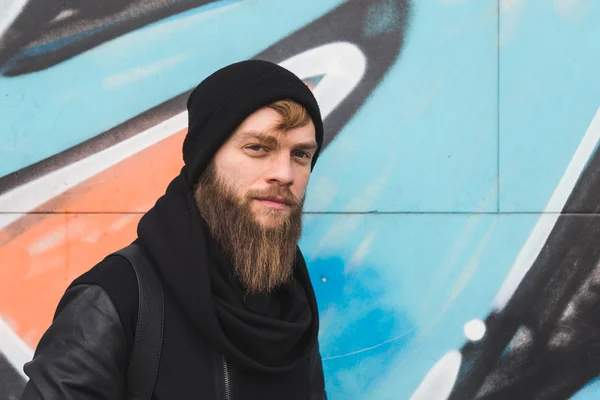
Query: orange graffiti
44	251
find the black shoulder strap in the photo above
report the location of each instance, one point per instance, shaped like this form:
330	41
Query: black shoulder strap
147	344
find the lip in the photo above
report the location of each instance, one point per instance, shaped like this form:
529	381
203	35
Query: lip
274	202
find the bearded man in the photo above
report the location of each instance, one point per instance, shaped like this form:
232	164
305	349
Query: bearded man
240	314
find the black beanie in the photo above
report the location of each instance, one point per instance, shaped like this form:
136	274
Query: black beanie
221	102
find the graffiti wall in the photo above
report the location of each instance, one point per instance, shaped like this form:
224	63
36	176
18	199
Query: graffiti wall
451	226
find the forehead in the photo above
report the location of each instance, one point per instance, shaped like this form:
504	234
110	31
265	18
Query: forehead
260	119
261	123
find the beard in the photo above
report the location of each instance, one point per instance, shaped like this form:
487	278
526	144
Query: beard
262	257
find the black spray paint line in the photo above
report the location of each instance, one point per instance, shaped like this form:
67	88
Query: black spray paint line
377	48
47	32
549	298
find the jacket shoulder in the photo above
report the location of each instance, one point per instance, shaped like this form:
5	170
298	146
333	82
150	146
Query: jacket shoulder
82	355
116	276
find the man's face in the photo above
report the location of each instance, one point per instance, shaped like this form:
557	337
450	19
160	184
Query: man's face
268	169
251	197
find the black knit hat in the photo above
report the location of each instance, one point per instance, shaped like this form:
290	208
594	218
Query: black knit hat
221	102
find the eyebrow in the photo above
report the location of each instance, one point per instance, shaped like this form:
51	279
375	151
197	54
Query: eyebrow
264	137
310	146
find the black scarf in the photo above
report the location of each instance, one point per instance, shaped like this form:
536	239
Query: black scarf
266	339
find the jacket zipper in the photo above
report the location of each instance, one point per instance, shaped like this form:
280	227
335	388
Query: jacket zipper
227	379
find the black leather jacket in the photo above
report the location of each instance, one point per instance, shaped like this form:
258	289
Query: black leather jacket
84	355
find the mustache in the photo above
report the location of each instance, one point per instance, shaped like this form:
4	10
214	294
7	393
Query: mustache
280	193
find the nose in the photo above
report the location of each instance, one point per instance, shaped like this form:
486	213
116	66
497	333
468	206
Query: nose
280	170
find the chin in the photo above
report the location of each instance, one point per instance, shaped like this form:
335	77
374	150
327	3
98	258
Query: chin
270	220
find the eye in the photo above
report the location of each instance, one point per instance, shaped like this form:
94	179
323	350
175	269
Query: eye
301	154
255	147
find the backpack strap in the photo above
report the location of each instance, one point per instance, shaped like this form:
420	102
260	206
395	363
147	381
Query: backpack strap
147	343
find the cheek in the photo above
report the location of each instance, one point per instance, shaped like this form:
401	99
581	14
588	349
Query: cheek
300	183
240	178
